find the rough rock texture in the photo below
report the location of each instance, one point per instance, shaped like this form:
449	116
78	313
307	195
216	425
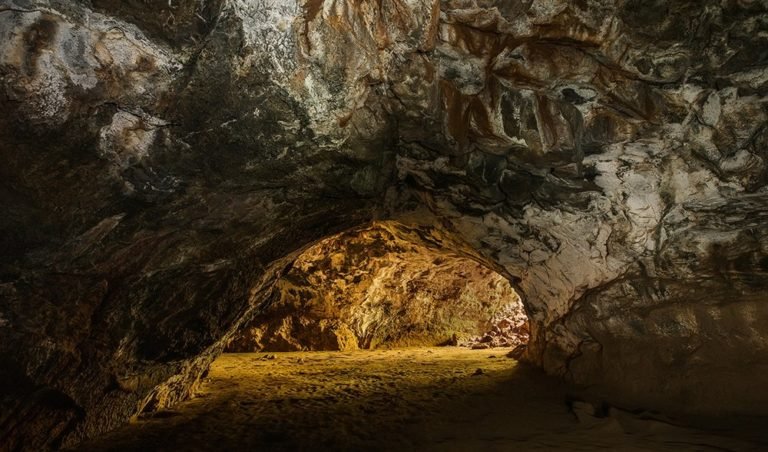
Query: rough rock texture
163	164
369	288
510	329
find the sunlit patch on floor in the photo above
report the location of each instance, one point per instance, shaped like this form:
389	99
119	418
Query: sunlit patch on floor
446	398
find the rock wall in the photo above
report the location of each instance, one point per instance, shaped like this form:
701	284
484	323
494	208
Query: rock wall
369	288
164	163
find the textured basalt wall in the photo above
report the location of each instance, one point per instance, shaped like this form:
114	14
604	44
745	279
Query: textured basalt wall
164	162
368	288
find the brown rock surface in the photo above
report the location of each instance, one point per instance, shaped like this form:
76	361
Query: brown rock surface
159	175
369	288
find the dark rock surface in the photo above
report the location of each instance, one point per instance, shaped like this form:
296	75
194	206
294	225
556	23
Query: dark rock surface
164	163
368	288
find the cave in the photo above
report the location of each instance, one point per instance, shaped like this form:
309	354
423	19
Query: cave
166	165
376	287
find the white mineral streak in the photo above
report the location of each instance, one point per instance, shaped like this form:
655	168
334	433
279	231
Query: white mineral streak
268	29
127	139
74	57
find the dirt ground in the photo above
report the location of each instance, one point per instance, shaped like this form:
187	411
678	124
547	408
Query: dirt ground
443	399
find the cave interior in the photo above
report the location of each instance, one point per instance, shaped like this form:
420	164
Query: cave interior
581	184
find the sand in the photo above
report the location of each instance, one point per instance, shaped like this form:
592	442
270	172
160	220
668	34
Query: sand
443	399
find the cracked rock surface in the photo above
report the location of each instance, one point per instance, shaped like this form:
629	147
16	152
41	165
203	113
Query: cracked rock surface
165	162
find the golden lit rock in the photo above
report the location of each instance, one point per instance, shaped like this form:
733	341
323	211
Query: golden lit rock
369	288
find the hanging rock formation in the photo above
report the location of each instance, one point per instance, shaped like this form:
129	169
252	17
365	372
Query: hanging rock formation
164	163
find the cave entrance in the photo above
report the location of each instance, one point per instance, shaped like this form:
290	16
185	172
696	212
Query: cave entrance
378	338
396	293
376	287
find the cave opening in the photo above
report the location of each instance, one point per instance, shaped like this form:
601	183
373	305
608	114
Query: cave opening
374	287
368	339
395	337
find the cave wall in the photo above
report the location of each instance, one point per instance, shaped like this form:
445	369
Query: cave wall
165	162
369	288
151	187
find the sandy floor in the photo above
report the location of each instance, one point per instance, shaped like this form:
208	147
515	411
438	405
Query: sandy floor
399	400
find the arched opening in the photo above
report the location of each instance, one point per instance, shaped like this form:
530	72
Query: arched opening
378	322
391	337
369	288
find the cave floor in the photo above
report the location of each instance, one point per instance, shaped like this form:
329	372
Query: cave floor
405	399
